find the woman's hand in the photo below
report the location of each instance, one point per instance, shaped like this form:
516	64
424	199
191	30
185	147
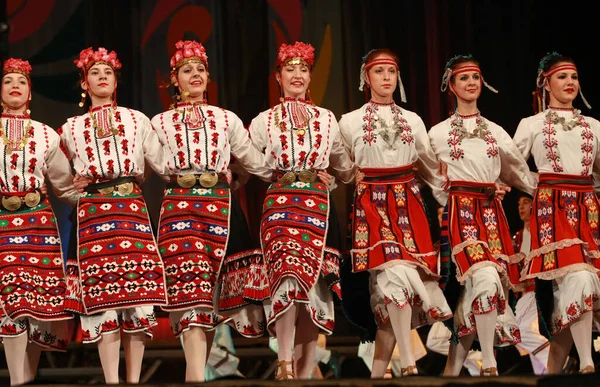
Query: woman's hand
325	177
501	191
81	182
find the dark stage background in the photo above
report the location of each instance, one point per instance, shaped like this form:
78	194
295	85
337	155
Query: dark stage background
242	37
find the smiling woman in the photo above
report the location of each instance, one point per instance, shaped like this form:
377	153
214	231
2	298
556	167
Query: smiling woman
478	154
565	239
199	141
29	153
117	276
387	143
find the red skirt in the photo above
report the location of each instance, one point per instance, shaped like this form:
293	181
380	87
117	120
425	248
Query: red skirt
478	231
293	233
117	263
389	222
564	227
31	264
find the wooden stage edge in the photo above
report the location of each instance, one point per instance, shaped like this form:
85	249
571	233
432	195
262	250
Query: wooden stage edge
415	381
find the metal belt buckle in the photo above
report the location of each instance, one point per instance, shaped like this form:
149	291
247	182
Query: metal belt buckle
208	179
186	181
288	178
307	176
11	203
32	199
125	188
106	190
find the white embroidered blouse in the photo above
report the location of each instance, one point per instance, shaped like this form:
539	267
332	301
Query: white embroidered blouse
478	150
31	154
561	141
387	136
107	143
200	138
296	136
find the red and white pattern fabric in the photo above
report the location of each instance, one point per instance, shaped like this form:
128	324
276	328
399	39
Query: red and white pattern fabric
118	262
110	142
468	159
318	302
574	294
293	232
385	218
129	320
50	335
484	292
31	265
402	285
199	138
278	134
564	227
192	239
478	233
26	168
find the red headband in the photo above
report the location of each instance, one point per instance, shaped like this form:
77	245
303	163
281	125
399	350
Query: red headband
464	69
557	68
381	61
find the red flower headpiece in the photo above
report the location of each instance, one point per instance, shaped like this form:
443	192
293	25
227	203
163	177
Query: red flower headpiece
298	53
188	51
16	65
88	57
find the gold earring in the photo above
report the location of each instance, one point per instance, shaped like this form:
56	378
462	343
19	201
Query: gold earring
83	95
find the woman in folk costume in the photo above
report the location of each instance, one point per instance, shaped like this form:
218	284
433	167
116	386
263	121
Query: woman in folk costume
118	276
564	226
390	232
203	235
299	229
477	153
32	291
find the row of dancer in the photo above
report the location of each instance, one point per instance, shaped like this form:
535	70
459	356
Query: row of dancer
205	271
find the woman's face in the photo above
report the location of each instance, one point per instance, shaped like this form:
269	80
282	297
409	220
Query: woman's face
563	86
100	81
193	78
294	80
467	86
382	79
15	90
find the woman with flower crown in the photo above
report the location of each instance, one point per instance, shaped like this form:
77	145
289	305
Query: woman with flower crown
477	154
564	257
33	287
299	228
117	275
203	235
390	236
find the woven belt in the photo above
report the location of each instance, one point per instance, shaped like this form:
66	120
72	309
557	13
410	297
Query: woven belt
389	177
287	178
206	180
489	191
124	185
572	182
17	203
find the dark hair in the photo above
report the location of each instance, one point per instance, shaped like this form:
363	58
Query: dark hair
548	62
460	61
82	75
373	54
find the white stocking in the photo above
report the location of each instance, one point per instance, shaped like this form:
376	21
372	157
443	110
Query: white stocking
400	319
581	330
486	329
